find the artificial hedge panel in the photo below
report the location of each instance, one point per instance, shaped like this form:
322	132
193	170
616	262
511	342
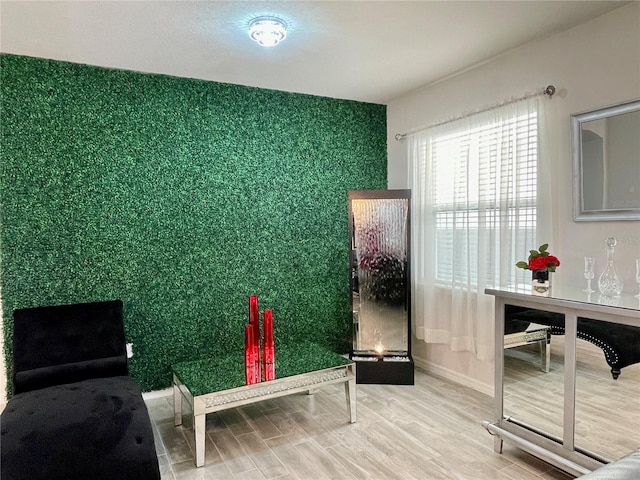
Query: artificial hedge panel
182	198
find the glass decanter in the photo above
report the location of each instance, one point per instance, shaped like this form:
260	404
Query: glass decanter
609	283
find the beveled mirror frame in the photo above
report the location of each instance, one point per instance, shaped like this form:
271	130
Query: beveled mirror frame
577	120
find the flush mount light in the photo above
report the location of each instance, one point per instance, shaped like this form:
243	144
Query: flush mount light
267	31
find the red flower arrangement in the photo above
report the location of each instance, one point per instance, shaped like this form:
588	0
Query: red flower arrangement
540	260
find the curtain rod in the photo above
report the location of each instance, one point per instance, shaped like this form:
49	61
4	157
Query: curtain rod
548	90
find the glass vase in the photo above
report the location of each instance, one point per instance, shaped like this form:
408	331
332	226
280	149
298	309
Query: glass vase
540	283
609	283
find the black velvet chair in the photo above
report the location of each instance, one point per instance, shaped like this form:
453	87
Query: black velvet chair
75	413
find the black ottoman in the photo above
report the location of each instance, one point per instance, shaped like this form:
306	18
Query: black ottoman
97	429
75	413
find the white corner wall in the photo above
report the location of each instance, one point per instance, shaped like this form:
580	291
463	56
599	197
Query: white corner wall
592	65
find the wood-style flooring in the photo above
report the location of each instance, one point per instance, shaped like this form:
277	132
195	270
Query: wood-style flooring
431	430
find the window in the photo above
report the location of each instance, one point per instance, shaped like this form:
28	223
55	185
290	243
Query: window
483	181
479	185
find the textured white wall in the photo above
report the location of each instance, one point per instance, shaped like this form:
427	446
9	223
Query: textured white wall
592	65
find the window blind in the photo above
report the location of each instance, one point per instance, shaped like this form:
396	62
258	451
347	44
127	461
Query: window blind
484	186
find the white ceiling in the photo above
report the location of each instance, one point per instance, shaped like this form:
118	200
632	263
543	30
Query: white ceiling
370	51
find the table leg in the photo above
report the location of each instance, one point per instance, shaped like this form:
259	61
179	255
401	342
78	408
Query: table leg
350	393
497	444
547	360
177	405
545	353
199	425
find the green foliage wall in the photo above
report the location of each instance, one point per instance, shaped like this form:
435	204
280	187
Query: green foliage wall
181	197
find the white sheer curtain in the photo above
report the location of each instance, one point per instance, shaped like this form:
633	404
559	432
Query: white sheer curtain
479	185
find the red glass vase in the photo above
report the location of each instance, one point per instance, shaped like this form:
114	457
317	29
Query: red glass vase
268	347
249	355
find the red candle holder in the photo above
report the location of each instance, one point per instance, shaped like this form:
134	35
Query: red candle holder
249	353
259	362
254	321
268	347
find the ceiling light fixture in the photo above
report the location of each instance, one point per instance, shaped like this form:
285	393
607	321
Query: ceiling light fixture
267	31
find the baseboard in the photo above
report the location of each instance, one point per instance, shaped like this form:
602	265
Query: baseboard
157	394
453	376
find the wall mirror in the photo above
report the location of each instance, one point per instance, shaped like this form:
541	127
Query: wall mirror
605	147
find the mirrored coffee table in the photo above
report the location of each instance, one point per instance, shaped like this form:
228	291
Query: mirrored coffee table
535	333
215	384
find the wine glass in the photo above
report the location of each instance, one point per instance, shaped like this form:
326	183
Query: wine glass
589	262
638	276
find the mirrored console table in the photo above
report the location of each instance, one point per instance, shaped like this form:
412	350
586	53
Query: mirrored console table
585	410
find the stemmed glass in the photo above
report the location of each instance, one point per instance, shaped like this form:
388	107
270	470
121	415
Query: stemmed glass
638	276
589	273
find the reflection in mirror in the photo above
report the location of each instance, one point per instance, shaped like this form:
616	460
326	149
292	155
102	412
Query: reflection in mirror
607	410
606	160
534	370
